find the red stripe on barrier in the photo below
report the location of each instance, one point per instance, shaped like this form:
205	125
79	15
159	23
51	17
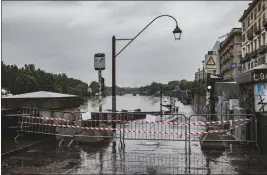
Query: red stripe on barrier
140	121
129	131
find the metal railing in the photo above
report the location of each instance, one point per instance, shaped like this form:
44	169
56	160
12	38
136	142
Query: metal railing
232	127
138	126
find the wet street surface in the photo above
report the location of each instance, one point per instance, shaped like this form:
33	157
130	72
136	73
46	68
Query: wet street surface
143	154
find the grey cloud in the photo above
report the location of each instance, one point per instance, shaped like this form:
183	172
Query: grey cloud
64	36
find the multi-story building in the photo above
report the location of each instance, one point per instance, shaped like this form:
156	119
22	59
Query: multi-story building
254	26
199	75
230	54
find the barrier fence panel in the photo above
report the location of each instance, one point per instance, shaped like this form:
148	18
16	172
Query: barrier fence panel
141	126
66	124
241	128
99	127
48	122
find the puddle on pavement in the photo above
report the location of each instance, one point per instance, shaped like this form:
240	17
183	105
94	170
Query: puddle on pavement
150	143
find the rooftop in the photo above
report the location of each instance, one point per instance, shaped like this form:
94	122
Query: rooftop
41	94
248	10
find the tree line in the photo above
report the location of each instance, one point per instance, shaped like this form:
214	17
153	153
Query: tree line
29	79
154	87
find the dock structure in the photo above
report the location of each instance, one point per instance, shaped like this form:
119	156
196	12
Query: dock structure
41	103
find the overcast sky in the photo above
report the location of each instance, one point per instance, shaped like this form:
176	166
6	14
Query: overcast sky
63	36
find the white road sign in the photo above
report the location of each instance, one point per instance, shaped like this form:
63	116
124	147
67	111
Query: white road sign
210	62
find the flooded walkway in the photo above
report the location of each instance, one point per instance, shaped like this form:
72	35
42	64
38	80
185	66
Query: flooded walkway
143	154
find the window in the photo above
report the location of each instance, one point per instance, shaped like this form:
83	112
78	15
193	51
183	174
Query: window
252	46
255	44
263	7
263	39
259	41
248	21
255	26
251	16
259	7
249	66
255	13
259	22
252	64
243	38
243	25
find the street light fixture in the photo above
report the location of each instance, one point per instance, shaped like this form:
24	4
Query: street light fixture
177	36
177	32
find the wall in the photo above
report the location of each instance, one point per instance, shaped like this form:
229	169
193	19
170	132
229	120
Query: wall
260	97
226	90
249	99
202	103
246	98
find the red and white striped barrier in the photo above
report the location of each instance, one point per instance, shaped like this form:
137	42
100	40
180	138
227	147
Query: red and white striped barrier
239	125
47	118
142	121
133	131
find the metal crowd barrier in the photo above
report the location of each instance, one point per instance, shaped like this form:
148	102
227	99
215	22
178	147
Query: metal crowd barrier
49	122
137	126
169	127
233	127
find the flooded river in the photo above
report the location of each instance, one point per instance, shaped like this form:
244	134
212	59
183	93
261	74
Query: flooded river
143	154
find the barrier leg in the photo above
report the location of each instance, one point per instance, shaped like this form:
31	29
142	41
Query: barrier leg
61	141
15	139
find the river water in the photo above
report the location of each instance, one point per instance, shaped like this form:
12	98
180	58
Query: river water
149	153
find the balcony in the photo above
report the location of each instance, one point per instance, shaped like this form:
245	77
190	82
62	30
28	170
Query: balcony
250	34
264	23
257	30
247	57
262	49
253	54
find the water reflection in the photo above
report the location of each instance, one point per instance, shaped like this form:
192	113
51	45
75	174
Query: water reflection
114	157
127	102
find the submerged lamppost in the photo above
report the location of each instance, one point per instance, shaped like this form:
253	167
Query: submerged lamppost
177	36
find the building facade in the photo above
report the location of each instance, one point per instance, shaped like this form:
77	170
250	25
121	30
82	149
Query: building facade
230	54
199	75
254	26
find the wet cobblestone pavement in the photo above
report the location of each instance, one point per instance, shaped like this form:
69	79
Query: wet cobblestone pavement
162	158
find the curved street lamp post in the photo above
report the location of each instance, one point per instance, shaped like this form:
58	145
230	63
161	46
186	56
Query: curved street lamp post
176	31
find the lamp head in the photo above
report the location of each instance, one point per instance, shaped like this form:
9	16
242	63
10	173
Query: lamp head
177	33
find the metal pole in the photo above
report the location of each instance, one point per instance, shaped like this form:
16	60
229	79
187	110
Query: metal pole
113	81
99	92
161	103
198	99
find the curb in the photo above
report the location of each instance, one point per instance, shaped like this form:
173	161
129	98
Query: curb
25	148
